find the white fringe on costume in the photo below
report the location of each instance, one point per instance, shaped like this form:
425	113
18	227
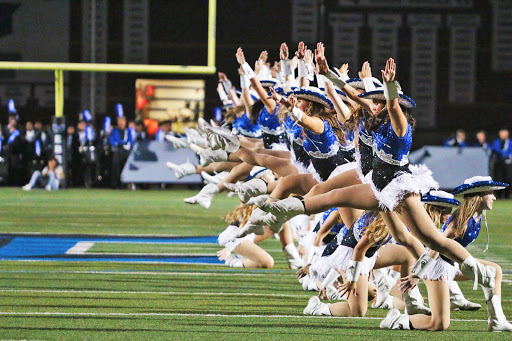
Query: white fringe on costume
442	271
228	240
279	146
339	260
419	182
342	169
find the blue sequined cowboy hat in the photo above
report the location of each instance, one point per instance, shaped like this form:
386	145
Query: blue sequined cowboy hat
478	184
358	83
254	94
440	198
313	94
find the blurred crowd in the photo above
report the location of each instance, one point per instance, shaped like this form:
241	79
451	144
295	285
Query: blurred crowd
499	152
93	158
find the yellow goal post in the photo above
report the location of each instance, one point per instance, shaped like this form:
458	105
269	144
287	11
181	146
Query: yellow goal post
59	68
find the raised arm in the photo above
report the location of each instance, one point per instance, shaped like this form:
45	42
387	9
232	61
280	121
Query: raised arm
269	103
396	115
301	64
343	112
323	68
331	220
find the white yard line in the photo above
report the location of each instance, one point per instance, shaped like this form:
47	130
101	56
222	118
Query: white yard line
152	273
80	248
116	292
57	313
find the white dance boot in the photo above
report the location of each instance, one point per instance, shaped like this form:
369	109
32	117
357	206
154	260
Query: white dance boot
207	156
395	320
458	301
283	210
177	142
481	274
258	200
248	189
316	307
334	294
413	303
193	136
293	257
214	179
204	197
182	170
256	223
383	284
221	138
497	320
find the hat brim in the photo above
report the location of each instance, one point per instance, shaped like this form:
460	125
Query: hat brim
266	83
358	83
479	187
379	94
312	96
437	201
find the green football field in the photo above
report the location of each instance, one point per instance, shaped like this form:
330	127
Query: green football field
76	296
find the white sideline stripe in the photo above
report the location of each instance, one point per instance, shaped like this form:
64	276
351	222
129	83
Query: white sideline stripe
57	313
150	254
80	248
306	295
92	272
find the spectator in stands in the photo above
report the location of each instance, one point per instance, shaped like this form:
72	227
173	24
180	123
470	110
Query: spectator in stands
481	140
140	131
458	141
165	128
501	161
121	143
49	178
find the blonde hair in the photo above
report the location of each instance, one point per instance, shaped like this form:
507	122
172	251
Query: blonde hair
240	214
436	213
377	230
462	214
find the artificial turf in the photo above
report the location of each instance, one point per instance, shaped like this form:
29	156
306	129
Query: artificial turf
129	301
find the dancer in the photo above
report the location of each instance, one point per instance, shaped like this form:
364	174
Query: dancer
464	227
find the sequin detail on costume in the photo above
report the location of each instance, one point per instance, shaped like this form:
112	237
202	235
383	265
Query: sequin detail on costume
389	147
471	233
244	126
321	146
269	123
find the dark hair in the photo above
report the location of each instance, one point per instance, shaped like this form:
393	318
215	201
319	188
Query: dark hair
318	110
374	122
255	111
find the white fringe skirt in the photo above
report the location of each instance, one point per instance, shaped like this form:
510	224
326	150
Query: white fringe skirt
419	181
442	271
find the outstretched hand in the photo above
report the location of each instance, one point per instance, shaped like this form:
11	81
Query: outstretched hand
301	50
283	52
222	76
388	75
366	70
263	56
348	288
321	62
308	57
223	254
344	68
302	272
240	58
408	283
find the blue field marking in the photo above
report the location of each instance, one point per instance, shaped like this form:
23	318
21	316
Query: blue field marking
54	247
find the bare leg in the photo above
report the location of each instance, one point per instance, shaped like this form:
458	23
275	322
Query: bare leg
349	215
285	235
238	172
255	256
344	179
356	196
394	255
421	226
357	304
400	233
439	302
216	167
281	166
277	153
296	184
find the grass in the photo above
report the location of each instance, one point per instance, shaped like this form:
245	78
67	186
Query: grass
153	301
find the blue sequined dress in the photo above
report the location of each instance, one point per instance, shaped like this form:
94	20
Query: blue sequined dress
392	177
271	129
243	126
325	151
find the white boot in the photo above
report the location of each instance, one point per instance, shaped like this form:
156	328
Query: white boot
383	284
395	320
413	303
194	137
260	199
315	307
27	187
497	320
177	142
262	218
481	274
214	179
220	138
207	156
309	284
283	210
334	294
204	197
293	257
248	189
182	170
458	301
234	262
